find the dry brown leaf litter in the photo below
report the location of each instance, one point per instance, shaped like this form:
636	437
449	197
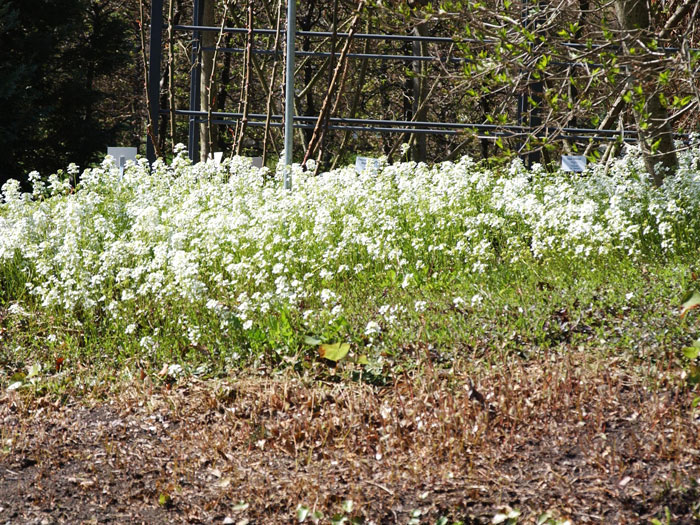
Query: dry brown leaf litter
582	438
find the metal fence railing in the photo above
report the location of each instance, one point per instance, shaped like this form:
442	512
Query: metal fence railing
531	125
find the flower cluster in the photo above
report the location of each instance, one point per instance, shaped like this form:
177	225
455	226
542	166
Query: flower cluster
230	237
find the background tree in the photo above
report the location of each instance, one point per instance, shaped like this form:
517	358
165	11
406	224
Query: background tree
57	105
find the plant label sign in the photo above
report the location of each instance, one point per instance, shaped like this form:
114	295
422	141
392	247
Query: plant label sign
367	163
121	155
575	163
118	153
257	162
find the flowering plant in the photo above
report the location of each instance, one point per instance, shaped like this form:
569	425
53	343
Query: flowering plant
266	264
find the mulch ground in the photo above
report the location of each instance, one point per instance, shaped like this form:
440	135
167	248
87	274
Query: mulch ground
586	439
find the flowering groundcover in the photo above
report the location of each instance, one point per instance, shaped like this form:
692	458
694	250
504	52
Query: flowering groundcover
220	261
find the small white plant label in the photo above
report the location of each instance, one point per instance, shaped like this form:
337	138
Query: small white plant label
121	155
367	163
575	163
218	156
127	153
257	162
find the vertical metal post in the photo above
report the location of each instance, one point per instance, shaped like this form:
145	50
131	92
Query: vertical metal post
289	93
195	76
155	52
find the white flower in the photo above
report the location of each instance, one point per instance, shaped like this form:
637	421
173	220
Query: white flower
130	329
193	334
372	328
16	309
327	295
175	370
337	310
177	236
213	304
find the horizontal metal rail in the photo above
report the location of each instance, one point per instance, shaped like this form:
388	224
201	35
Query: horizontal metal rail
404	124
362	56
399	38
413	131
323	34
325	54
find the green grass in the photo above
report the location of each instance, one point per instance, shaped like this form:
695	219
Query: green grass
614	308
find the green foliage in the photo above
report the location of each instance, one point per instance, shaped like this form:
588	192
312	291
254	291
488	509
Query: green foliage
691	353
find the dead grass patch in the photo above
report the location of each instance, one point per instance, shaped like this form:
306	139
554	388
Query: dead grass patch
583	436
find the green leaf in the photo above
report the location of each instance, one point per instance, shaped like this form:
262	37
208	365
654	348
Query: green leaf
544	518
690	301
692	352
362	360
17	377
34	370
334	352
164	500
312	341
693	375
302	513
338	519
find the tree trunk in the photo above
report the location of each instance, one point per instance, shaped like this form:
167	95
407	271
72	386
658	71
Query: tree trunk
420	152
208	41
306	23
655	133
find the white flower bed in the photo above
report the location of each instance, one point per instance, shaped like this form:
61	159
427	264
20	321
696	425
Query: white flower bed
229	238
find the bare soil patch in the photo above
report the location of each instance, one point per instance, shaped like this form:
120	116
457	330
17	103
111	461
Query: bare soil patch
583	438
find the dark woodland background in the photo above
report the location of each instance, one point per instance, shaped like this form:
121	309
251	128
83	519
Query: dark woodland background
72	75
